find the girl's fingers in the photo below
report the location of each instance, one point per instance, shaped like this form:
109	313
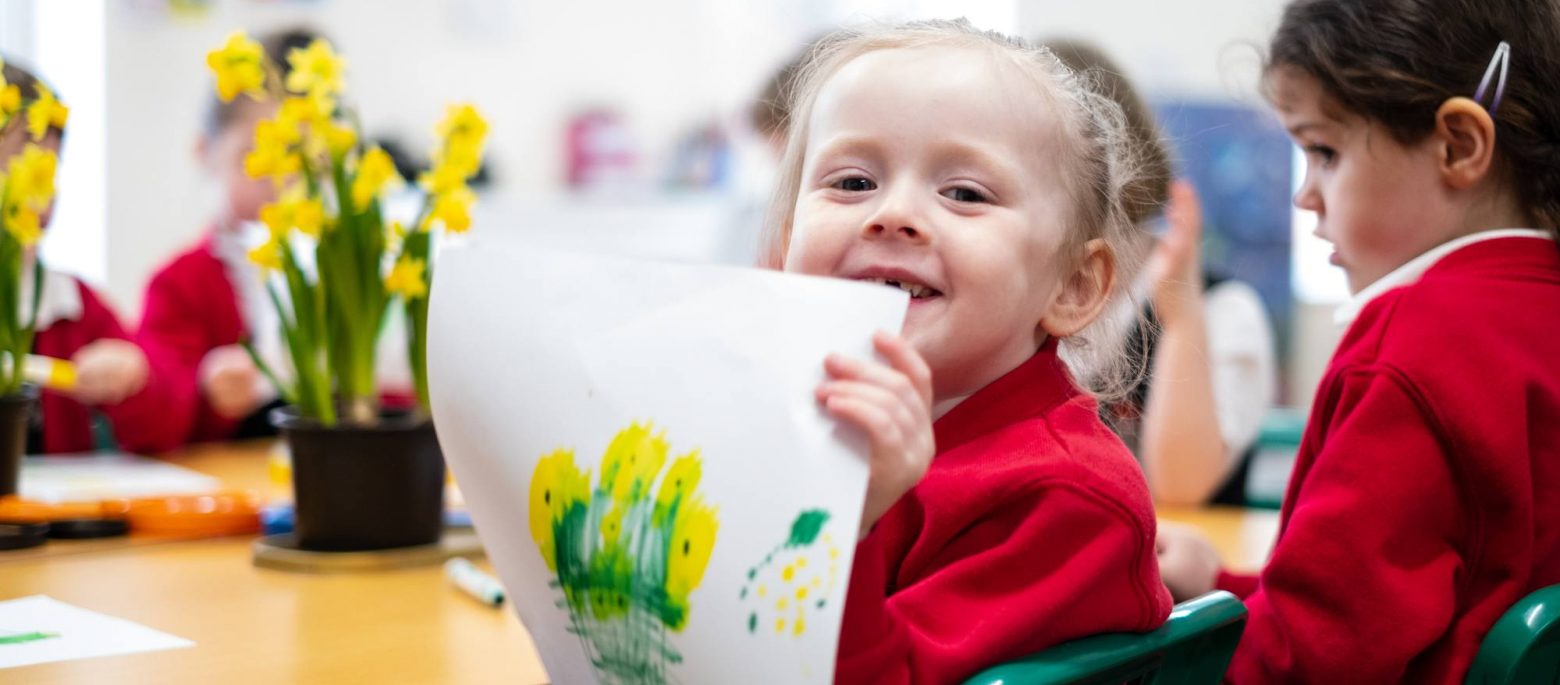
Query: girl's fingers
893	405
840	367
871	418
903	358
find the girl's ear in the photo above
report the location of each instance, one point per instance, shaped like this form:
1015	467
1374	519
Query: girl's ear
1465	134
1084	293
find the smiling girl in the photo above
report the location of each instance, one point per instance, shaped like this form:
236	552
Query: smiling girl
984	178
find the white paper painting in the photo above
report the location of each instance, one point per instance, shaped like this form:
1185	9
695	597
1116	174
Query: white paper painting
644	459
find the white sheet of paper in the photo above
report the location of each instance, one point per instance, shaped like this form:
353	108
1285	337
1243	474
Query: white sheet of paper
532	351
81	633
114	475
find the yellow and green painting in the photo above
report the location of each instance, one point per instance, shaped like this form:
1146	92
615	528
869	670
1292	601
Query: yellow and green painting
627	552
794	579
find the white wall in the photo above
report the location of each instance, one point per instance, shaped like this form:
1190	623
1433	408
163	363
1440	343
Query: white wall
1188	48
527	65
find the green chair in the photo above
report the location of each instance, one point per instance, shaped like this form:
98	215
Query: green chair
1524	645
1194	646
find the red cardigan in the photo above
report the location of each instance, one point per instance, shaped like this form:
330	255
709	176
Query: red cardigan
190	308
1032	527
1424	499
141	422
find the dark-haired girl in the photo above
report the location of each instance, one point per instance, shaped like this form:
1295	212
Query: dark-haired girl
1423	502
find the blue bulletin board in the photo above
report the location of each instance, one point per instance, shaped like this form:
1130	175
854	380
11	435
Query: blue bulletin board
1240	160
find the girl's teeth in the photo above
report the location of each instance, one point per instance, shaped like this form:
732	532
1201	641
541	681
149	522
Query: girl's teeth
916	291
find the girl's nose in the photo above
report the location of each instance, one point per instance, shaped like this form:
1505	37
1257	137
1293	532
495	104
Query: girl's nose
896	218
1308	197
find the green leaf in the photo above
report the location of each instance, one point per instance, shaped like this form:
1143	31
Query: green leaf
806	528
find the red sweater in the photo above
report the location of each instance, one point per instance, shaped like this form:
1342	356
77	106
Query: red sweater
140	422
1032	527
1423	502
190	309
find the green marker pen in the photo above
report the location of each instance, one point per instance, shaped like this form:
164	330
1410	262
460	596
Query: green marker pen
22	638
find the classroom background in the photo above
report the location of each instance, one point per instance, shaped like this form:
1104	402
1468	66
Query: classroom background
626	127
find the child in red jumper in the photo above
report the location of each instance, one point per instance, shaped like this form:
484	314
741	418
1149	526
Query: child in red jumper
1423	502
983	177
112	374
208	299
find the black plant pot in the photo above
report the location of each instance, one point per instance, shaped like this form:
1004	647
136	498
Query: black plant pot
15	410
364	487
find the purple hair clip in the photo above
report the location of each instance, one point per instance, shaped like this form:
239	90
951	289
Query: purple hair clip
1501	59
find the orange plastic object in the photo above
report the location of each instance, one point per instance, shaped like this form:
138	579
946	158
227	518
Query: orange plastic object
14	509
229	513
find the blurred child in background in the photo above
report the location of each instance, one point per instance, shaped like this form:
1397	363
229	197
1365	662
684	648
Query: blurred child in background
1207	346
113	376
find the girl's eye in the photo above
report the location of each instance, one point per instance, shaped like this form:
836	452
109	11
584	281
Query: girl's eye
855	184
964	195
1321	152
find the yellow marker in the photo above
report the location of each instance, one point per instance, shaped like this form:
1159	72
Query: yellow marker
801	593
51	373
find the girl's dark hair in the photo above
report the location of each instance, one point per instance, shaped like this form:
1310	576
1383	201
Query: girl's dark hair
30	86
276	45
1396	61
1147	193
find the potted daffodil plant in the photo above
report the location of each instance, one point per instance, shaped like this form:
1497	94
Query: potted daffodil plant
364	477
26	192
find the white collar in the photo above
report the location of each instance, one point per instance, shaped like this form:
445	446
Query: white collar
61	299
1416	267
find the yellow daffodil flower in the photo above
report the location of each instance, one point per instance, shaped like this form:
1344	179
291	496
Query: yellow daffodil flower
442	178
338	139
294	210
556	486
239	67
453	209
298	111
631	461
462	123
678	485
268	256
693	538
10	100
45	113
23	224
375	173
32	177
406	278
274	154
463	133
316	70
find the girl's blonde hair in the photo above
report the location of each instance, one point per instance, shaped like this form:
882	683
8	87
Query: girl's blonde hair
1095	144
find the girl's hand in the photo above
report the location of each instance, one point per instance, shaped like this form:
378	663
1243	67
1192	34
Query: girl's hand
1188	562
1175	267
108	371
893	405
230	382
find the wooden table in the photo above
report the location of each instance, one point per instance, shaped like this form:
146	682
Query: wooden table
1243	536
255	625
